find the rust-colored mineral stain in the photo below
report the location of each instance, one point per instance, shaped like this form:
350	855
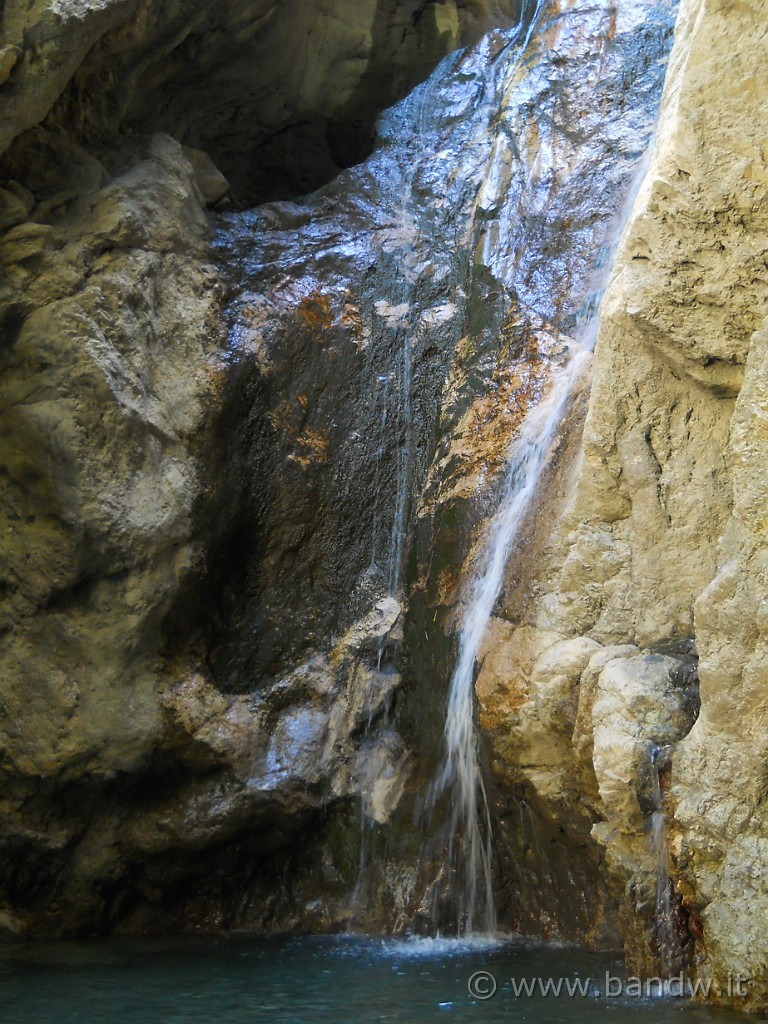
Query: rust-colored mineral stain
447	587
315	310
350	316
517	383
280	416
610	32
309	445
312	447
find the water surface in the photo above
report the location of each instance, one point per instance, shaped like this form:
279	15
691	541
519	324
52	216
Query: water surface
339	980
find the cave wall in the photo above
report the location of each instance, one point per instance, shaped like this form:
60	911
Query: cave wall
280	96
130	780
522	165
656	557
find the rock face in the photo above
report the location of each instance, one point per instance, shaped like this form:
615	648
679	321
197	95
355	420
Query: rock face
119	754
657	542
379	376
244	483
281	97
109	316
111	384
212	674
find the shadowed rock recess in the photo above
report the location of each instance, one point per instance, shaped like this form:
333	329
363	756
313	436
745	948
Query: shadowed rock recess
249	454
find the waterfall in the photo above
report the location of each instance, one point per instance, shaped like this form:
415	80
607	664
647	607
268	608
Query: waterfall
470	842
473	230
663	918
470	814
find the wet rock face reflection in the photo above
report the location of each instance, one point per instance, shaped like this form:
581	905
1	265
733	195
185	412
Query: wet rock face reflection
416	304
245	630
388	336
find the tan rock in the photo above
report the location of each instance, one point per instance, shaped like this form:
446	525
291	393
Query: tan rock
662	538
208	178
9	56
103	388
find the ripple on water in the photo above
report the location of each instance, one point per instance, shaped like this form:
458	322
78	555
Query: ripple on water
319	980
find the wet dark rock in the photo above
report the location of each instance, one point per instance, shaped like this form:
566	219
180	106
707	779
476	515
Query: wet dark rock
248	550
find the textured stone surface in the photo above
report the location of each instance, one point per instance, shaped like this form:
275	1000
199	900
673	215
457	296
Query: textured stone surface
280	96
660	542
103	381
209	651
116	757
109	317
173	751
110	313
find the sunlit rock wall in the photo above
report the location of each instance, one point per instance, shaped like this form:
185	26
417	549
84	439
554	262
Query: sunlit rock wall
658	536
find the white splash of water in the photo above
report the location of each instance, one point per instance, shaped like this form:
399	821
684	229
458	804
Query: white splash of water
417	947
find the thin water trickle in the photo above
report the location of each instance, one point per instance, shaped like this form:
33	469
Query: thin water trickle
357	898
664	921
401	376
470	843
409	232
383	382
403	472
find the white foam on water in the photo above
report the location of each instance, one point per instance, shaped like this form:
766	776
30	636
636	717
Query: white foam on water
439	947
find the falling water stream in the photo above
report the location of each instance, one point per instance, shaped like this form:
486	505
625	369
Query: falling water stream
470	829
470	811
472	248
664	921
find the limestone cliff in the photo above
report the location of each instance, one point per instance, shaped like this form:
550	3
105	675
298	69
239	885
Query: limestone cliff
247	459
657	554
